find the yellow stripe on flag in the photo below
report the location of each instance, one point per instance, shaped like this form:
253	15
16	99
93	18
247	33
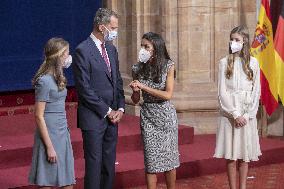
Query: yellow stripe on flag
263	50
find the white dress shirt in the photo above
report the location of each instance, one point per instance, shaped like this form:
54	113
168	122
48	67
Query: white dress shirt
98	44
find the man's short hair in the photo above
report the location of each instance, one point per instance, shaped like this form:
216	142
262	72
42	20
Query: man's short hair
103	16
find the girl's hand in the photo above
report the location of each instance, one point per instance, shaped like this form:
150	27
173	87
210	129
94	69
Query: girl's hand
240	121
51	155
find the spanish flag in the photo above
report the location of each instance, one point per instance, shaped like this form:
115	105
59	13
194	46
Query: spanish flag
262	49
279	53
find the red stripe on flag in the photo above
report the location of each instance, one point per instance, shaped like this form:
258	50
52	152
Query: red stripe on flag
279	38
267	98
265	4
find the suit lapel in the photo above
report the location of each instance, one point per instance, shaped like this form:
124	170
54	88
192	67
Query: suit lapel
112	61
95	53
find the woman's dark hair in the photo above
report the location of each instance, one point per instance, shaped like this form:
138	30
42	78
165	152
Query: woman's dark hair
159	59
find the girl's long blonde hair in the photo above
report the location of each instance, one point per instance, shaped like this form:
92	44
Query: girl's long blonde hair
53	51
244	54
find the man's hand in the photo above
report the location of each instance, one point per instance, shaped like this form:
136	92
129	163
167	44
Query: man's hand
111	114
115	116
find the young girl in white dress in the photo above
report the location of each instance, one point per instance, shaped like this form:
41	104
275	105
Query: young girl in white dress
238	92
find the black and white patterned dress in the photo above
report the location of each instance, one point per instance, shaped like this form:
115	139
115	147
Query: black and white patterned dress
159	127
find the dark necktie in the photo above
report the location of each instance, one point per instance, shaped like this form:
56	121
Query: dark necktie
105	57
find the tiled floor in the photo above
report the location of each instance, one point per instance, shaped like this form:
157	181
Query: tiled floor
265	177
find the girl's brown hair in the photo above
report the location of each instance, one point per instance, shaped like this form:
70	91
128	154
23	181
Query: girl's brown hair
53	51
244	54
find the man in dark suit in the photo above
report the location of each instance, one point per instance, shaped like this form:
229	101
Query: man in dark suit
101	99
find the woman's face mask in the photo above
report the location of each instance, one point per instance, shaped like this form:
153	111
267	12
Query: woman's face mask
144	55
110	35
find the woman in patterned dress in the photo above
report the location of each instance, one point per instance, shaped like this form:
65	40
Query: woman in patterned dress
153	75
239	91
52	162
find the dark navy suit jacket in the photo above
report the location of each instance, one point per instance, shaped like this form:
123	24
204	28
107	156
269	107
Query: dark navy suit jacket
97	88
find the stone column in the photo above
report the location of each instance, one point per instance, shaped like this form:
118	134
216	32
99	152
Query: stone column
196	34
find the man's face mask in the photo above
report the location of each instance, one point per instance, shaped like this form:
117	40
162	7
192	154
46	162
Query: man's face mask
110	35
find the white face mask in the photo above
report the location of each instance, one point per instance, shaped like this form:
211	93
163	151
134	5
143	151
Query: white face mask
144	55
67	62
236	46
111	35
